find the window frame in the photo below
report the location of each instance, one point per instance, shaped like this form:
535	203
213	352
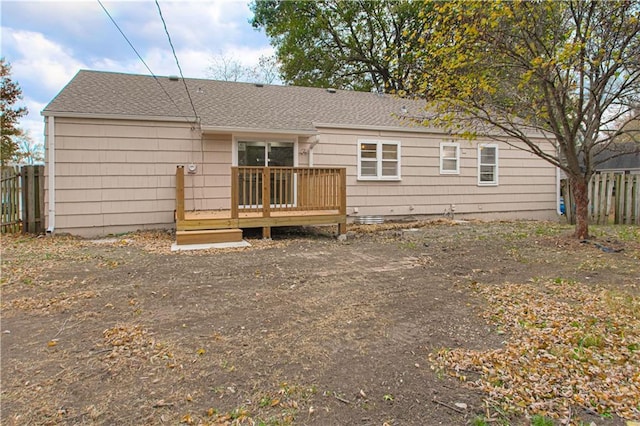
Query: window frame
444	171
495	165
379	160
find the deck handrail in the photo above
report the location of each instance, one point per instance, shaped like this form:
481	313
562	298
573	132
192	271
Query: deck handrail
275	196
268	189
180	192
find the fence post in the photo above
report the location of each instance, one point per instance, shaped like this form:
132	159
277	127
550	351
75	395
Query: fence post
32	199
180	192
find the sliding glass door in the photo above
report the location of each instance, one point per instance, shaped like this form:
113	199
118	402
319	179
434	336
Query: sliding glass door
261	154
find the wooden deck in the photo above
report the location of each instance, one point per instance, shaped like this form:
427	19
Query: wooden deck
295	196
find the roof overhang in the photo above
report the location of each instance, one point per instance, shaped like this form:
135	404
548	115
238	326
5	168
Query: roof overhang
189	120
407	129
256	131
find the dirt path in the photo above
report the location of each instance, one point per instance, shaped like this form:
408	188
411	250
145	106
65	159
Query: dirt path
299	330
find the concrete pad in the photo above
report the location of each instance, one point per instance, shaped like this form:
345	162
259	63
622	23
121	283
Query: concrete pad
184	247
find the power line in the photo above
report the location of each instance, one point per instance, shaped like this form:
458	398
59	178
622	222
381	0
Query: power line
140	57
176	58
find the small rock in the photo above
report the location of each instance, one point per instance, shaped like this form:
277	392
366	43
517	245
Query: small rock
461	405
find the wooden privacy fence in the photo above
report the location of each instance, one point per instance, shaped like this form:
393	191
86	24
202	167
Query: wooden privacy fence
612	198
22	194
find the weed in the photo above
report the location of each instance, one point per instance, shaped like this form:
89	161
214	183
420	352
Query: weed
590	340
628	232
607	414
539	420
411	245
479	421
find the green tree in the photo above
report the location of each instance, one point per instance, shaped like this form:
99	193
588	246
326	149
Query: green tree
10	93
359	45
568	70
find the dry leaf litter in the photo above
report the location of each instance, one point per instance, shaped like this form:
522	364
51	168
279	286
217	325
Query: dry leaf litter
569	346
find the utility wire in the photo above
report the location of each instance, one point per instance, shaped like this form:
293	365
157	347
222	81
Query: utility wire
140	57
176	58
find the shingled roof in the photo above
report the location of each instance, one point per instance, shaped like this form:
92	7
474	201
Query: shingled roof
231	105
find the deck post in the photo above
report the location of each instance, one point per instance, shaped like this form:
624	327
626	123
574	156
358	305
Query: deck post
235	191
266	200
342	226
180	193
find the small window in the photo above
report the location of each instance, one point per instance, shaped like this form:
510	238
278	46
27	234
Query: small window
378	160
449	158
487	164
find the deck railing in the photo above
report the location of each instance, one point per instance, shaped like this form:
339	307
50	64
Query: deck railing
268	189
287	188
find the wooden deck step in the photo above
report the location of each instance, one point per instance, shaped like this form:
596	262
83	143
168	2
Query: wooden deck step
209	236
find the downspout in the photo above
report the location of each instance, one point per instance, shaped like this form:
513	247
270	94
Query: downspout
51	145
313	141
558	192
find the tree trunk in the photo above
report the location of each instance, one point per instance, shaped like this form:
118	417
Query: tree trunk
581	198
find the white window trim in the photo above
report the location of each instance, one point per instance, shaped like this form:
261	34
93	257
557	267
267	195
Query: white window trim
379	176
496	165
443	171
239	138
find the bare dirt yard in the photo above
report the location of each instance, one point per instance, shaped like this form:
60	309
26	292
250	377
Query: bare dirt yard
446	323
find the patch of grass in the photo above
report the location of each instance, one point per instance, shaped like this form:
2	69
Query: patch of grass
595	264
479	421
538	420
411	245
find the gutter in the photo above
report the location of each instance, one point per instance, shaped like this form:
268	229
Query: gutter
98	116
257	130
51	145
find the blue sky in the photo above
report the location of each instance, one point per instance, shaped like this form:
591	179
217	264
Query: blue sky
47	42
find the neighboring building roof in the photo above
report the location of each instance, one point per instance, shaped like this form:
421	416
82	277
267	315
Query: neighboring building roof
627	157
231	105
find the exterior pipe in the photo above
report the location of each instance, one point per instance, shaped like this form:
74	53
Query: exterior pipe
313	142
51	146
558	194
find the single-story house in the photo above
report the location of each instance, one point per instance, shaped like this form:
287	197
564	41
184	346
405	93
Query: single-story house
128	152
624	160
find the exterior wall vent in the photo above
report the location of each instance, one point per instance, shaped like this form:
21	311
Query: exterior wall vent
331	90
369	220
173	78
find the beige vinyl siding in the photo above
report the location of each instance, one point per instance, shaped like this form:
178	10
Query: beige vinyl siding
526	187
119	175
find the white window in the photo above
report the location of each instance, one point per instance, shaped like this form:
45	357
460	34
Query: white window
378	160
488	164
449	158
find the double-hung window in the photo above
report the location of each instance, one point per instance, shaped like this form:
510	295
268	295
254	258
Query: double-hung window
449	158
487	164
378	160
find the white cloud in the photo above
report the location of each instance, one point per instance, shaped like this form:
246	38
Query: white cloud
47	42
41	62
